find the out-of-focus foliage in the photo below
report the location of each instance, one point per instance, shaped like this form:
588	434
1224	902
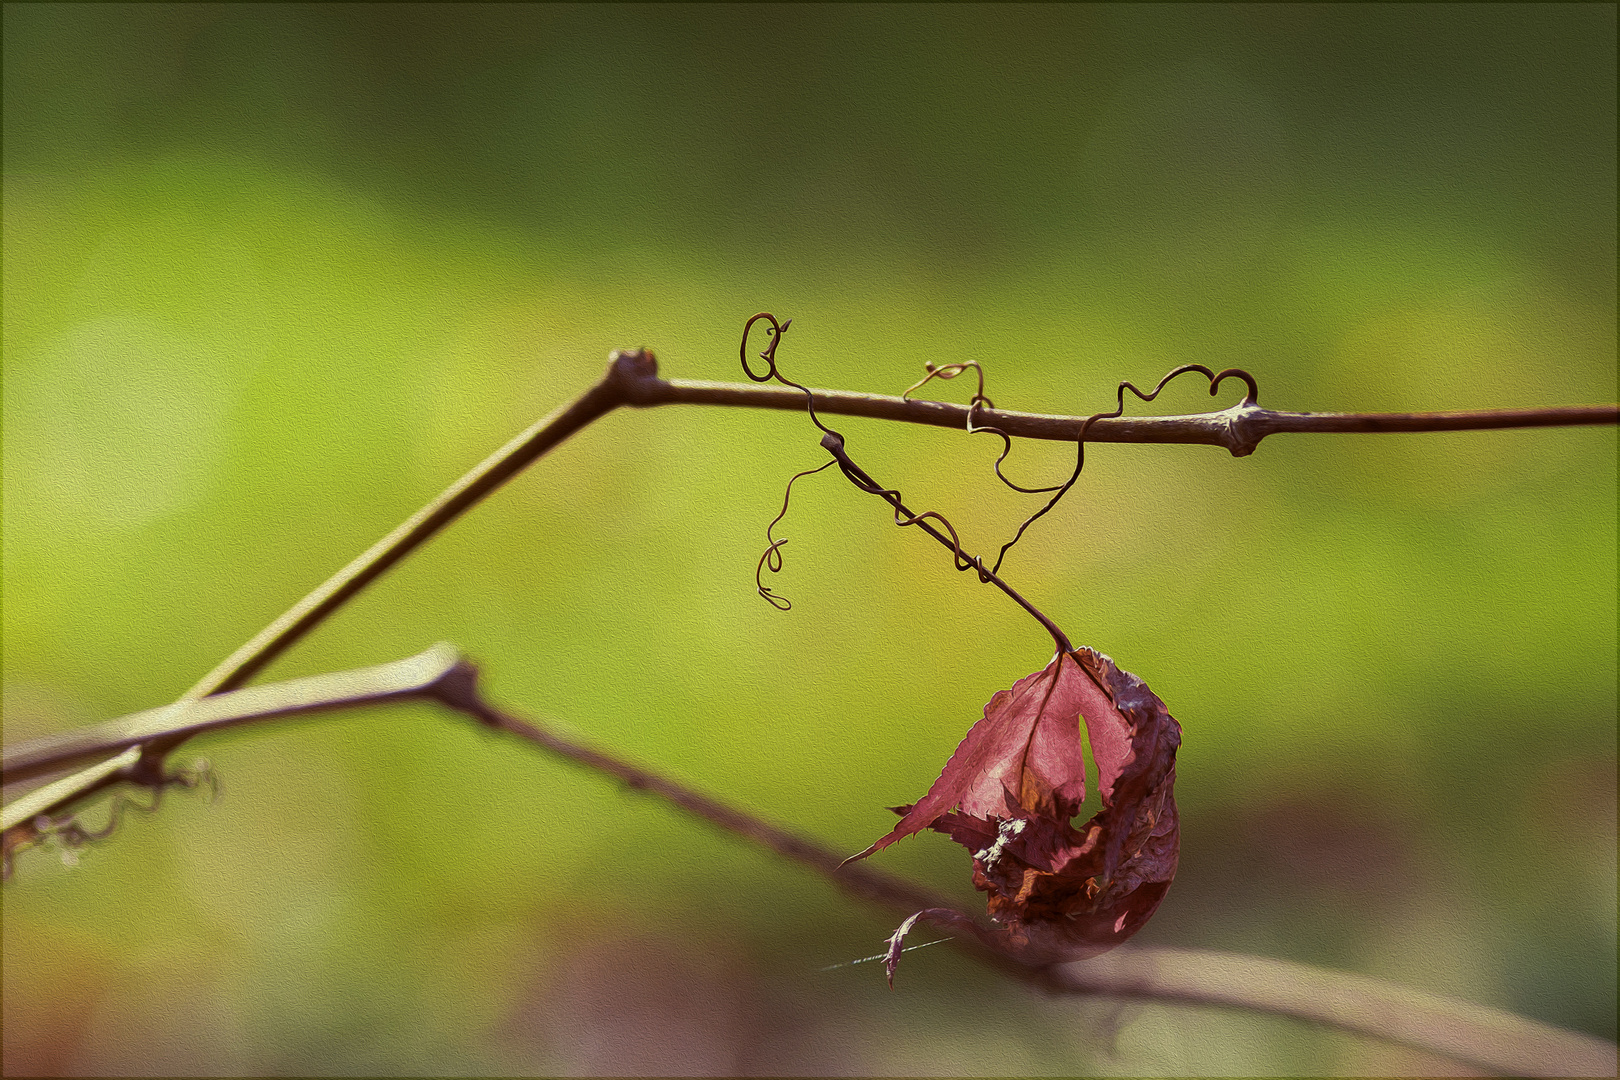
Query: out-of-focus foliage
275	274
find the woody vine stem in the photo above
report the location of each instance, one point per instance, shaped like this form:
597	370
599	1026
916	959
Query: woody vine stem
133	750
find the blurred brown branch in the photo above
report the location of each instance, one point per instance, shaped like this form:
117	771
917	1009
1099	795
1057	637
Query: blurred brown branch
1489	1038
1481	1036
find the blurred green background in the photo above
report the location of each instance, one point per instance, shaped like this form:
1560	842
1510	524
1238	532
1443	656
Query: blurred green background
275	275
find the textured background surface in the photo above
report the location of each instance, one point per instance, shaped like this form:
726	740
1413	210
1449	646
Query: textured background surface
276	274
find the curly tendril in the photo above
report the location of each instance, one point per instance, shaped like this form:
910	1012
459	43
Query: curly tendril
978	401
69	835
775	332
833	442
772	559
951	371
1215	380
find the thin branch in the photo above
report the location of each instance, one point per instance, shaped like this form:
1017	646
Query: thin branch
626	369
1356	1003
414	676
632	379
1490	1038
834	445
1239	428
863	882
1473	1033
28	819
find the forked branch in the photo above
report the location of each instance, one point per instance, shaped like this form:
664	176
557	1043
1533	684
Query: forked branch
632	380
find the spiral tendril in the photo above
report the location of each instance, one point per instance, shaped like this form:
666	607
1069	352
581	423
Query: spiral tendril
775	332
69	835
772	558
833	442
1215	380
978	401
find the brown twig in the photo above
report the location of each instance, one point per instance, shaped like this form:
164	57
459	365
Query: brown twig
1356	1003
834	445
632	379
29	818
626	370
1239	429
863	882
1489	1038
1472	1033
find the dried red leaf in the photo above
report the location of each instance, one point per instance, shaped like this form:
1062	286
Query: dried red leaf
1009	791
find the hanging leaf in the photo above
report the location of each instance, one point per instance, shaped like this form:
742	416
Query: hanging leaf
1009	791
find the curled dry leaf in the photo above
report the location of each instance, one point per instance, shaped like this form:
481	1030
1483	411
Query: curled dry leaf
1009	791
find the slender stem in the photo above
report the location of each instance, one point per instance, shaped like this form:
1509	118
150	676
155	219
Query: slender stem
864	882
413	676
1495	1040
1488	1037
835	447
495	470
1483	420
632	379
1472	1033
1239	428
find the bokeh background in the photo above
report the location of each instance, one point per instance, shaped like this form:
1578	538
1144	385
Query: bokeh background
275	275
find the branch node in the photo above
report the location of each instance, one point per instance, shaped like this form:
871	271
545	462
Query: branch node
1243	426
458	688
634	374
